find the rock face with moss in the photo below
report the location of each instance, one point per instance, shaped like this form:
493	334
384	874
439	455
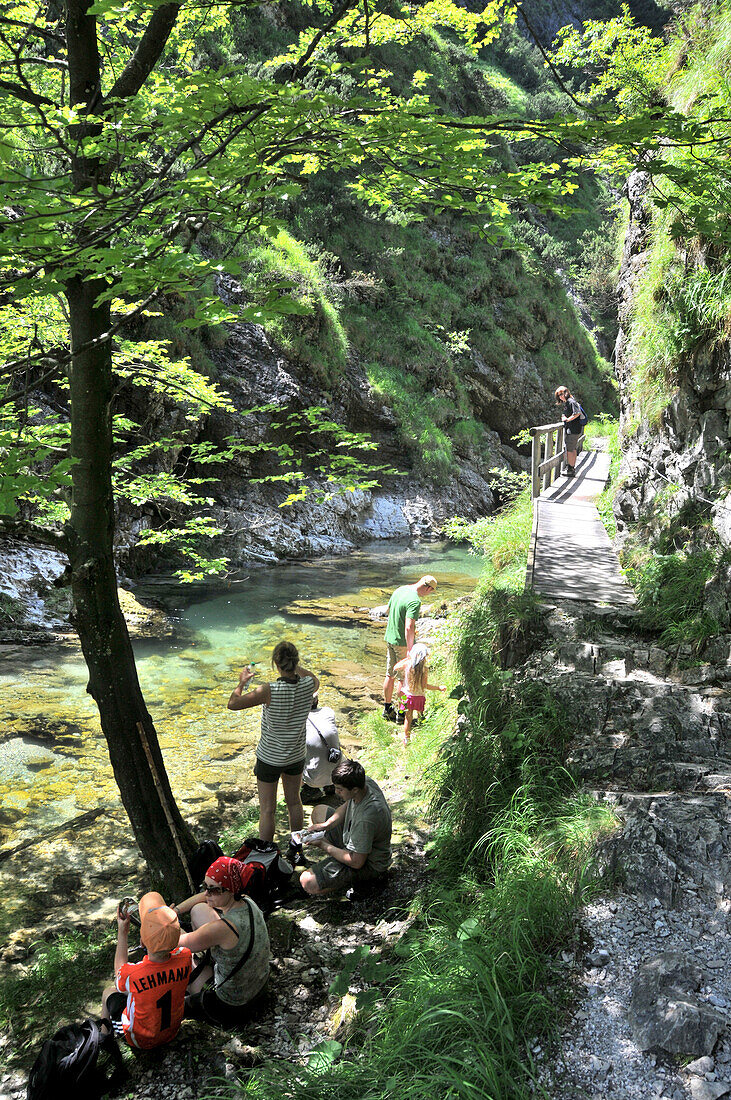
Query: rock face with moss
677	457
674	364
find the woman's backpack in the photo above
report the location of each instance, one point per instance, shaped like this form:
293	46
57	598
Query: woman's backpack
271	873
80	1060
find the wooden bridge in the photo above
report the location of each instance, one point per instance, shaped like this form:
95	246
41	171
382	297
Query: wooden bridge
571	556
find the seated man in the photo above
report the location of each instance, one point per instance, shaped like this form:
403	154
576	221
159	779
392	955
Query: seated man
323	753
357	834
148	997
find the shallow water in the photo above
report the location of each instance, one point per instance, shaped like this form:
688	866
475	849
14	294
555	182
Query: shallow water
53	759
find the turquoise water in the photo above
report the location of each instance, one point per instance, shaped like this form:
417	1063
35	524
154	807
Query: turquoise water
53	760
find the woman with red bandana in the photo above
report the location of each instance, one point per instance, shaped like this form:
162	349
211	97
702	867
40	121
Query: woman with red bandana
229	927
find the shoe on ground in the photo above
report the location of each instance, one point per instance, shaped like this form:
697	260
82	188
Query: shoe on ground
361	891
295	855
570	471
294	898
389	713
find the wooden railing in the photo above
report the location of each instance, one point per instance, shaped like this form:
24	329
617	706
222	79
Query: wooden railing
547	455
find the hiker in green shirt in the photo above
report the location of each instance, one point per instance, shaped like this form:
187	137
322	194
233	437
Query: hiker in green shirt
403	611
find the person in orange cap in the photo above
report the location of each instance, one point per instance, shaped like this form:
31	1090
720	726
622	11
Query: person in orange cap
147	1000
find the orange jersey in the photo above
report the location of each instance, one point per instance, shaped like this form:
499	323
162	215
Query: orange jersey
155	998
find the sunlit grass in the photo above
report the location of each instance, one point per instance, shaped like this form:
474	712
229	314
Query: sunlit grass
503	540
65	979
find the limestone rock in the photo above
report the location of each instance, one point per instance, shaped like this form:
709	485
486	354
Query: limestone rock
708	1090
665	1011
700	1066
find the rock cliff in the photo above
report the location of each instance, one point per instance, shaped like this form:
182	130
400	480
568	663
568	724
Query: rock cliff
688	448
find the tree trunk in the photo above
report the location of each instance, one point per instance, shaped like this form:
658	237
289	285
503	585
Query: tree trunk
164	838
100	623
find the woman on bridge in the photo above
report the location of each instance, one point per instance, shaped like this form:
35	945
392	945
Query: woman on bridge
571	417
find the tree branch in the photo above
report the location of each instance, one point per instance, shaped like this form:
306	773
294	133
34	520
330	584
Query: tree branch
302	62
549	63
27	96
147	54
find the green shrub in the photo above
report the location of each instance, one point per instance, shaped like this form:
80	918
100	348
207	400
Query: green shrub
670	590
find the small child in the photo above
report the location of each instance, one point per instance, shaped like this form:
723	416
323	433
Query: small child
416	682
147	1000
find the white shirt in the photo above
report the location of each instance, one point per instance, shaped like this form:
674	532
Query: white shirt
318	769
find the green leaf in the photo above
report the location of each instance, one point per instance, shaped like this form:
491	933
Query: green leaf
469	929
324	1055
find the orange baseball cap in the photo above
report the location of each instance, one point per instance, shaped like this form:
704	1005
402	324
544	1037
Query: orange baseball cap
160	927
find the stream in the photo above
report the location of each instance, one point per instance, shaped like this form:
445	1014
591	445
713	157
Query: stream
53	759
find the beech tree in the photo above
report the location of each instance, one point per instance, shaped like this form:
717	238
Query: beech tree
116	152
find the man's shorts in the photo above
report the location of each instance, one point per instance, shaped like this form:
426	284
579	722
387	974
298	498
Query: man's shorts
571	441
396	653
270	773
331	874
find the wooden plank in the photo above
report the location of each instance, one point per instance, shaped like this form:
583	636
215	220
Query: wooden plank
551	464
572	555
535	459
532	549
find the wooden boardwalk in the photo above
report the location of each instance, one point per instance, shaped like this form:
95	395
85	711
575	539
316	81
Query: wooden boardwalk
571	555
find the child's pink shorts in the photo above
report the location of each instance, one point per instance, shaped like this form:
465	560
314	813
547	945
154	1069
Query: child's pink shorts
415	702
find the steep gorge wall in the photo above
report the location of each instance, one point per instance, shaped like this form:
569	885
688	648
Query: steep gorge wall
683	456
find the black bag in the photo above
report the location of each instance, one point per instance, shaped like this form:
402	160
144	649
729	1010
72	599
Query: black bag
206	854
68	1063
271	873
583	419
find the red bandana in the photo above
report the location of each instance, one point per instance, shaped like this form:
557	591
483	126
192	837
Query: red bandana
229	873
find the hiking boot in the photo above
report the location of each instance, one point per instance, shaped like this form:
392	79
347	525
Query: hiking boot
295	855
361	891
389	713
570	472
294	897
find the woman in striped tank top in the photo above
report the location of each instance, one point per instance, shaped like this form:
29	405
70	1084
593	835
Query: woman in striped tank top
286	703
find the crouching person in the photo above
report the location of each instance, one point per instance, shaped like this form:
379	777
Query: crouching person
147	1000
228	989
357	835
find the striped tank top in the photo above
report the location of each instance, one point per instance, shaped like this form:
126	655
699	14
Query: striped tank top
284	722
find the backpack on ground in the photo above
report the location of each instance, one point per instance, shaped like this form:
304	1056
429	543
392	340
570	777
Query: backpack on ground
271	873
80	1060
205	854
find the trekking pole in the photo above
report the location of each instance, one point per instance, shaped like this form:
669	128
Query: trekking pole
164	804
